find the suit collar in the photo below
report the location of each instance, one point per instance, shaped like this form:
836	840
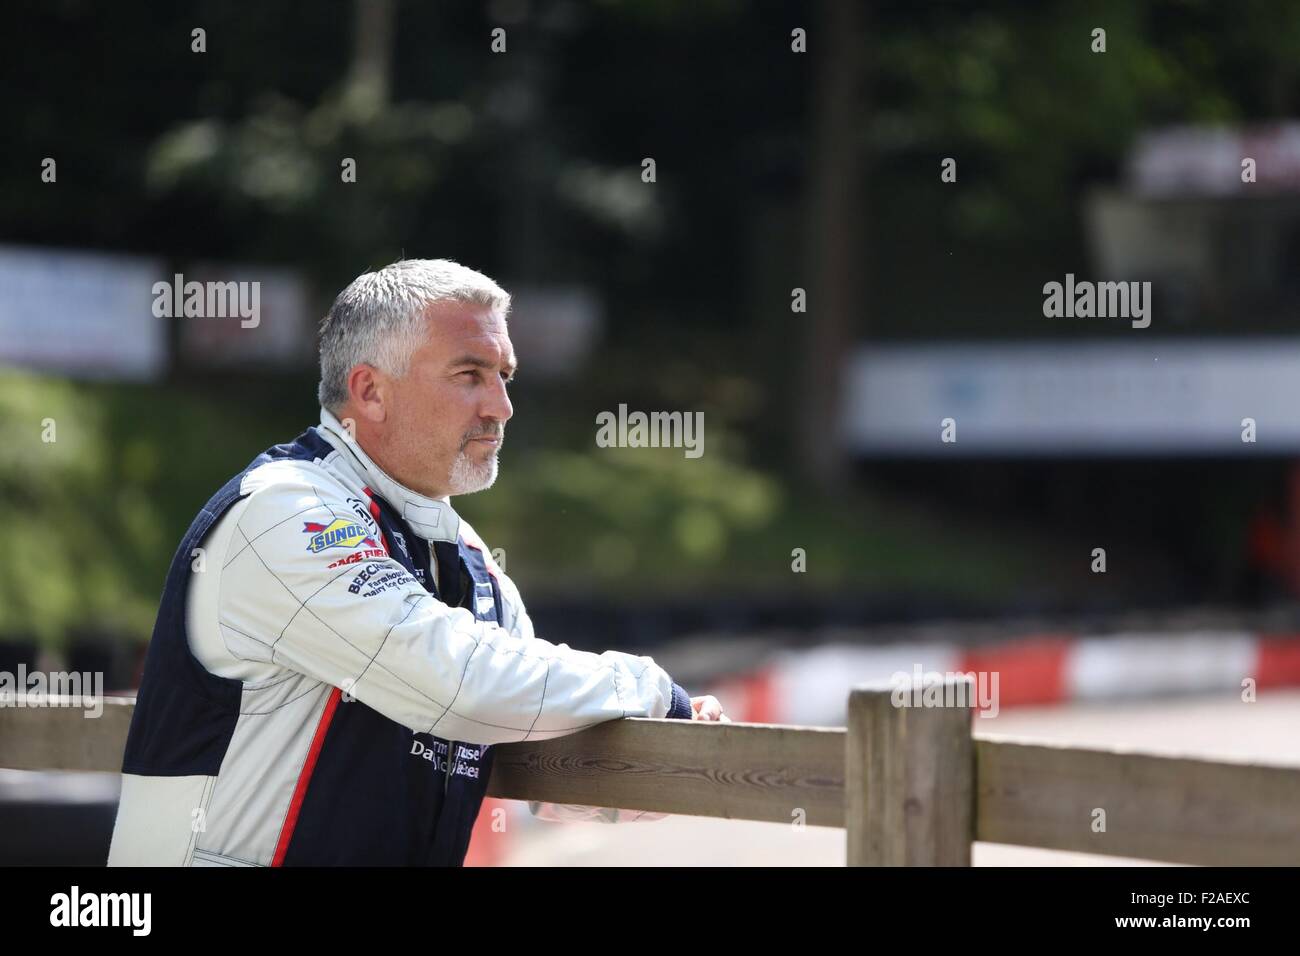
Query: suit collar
433	519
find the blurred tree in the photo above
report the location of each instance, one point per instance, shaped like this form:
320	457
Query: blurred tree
835	257
526	164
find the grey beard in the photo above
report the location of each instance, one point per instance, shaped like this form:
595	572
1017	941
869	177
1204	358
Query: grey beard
468	476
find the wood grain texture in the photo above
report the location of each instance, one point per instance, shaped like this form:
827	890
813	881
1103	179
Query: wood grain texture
1175	809
910	793
737	771
907	808
63	738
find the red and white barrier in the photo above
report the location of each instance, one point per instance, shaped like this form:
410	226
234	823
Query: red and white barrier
810	687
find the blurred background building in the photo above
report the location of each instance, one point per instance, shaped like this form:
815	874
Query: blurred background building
805	268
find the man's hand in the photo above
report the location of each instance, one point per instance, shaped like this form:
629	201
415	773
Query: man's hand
708	708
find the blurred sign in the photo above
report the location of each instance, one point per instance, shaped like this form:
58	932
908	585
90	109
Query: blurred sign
244	315
1207	160
1148	397
553	328
85	313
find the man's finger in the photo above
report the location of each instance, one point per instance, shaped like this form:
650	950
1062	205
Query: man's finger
706	707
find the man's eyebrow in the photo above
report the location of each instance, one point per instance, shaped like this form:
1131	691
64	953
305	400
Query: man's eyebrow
479	362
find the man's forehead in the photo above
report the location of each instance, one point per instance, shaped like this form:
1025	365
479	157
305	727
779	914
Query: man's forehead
457	328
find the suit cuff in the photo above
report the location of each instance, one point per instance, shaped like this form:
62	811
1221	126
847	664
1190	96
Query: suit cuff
681	706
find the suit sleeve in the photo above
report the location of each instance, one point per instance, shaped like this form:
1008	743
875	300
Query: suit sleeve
353	617
520	624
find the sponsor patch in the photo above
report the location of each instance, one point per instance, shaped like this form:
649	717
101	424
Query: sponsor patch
339	533
356	557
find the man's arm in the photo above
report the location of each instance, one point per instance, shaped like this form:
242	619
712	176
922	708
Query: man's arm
521	625
371	629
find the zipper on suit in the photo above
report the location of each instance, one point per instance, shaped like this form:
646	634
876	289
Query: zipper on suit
436	581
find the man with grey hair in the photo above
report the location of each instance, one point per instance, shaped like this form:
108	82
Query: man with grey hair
336	653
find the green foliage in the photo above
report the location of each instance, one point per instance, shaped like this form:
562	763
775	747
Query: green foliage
646	521
94	517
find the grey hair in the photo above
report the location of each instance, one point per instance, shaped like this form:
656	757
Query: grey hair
379	318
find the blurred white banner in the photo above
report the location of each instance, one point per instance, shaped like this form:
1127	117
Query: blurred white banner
1142	396
84	313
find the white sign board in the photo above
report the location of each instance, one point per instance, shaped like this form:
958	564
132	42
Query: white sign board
262	318
84	313
1143	396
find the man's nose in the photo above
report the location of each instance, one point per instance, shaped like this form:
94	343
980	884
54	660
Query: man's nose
498	406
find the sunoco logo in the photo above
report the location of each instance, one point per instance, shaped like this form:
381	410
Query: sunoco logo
339	533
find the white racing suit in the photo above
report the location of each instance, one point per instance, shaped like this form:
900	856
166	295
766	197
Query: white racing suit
334	658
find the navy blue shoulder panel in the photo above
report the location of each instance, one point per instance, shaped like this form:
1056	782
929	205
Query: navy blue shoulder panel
184	714
487	593
309	446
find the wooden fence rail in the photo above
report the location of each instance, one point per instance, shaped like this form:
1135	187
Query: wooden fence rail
910	785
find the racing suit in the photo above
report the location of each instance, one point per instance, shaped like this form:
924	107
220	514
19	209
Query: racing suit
334	658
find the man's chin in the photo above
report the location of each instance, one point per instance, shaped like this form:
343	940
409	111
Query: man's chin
468	476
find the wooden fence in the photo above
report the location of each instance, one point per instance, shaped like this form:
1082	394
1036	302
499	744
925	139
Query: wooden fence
911	786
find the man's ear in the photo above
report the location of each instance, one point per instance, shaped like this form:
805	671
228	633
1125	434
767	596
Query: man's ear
368	388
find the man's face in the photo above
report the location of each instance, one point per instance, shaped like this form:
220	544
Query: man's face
450	409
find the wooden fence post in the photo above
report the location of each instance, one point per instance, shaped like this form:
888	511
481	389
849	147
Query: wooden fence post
908	775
